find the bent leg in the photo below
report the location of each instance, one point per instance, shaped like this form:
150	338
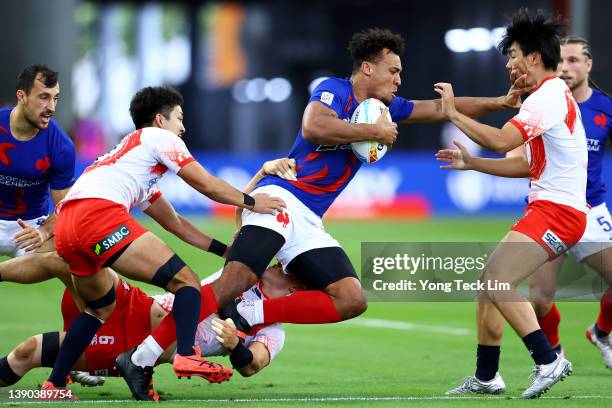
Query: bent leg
542	287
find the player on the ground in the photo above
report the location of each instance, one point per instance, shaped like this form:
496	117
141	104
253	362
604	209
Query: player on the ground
550	126
325	165
136	314
36	159
94	230
594	248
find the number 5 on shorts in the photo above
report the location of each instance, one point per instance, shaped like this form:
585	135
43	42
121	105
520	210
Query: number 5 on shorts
605	224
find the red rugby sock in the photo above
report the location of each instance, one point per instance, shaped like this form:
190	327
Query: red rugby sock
309	306
604	321
165	333
550	325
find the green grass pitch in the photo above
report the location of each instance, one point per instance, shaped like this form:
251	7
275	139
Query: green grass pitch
352	363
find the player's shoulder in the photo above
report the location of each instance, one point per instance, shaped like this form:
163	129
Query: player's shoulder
601	102
59	136
337	86
154	135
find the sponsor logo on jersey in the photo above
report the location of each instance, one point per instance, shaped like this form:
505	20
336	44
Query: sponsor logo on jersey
326	148
593	145
553	242
111	240
327	98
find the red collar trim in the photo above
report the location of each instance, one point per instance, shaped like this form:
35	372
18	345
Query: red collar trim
544	80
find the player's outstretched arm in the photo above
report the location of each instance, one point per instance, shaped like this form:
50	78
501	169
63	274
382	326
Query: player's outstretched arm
499	140
320	125
431	110
165	215
249	361
514	165
218	190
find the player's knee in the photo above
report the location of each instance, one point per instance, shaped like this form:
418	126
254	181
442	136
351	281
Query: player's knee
174	274
25	351
185	277
542	306
102	307
349	298
235	279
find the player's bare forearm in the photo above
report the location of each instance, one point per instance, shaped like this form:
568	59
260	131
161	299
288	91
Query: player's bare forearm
476	107
261	359
330	130
321	125
190	234
484	135
212	187
515	167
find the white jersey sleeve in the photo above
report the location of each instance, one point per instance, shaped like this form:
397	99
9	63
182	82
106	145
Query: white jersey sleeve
272	336
168	150
539	114
154	194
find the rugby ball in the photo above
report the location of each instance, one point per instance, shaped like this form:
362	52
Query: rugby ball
369	111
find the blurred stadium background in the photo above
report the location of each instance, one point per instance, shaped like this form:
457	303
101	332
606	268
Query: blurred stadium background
246	70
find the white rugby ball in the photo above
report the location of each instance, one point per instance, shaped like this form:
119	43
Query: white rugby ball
369	111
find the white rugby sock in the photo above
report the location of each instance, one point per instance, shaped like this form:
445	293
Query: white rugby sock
147	353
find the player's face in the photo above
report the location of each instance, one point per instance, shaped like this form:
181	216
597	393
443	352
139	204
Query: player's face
574	67
39	104
518	63
174	122
384	76
277	283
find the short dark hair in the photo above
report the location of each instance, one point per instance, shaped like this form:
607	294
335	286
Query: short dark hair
150	101
534	32
25	80
367	45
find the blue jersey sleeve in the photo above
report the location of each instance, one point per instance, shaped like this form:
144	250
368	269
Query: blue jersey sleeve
400	108
62	161
330	93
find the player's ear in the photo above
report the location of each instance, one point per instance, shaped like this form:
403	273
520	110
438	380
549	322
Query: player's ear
21	95
366	68
158	120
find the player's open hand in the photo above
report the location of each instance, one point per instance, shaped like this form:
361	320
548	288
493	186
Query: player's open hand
457	159
520	86
385	131
283	168
29	238
266	204
447	96
226	333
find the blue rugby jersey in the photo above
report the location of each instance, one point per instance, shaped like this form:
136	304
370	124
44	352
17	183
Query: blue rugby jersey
323	171
596	117
28	169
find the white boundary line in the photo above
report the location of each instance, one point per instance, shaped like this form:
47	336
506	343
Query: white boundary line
399	325
321	399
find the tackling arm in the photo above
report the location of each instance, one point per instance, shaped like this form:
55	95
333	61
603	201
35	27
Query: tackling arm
218	190
514	165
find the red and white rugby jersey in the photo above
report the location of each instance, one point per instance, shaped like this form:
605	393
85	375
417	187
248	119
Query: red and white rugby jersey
272	336
129	173
551	125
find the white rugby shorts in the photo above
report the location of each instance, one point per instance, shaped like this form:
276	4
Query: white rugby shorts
302	229
8	229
